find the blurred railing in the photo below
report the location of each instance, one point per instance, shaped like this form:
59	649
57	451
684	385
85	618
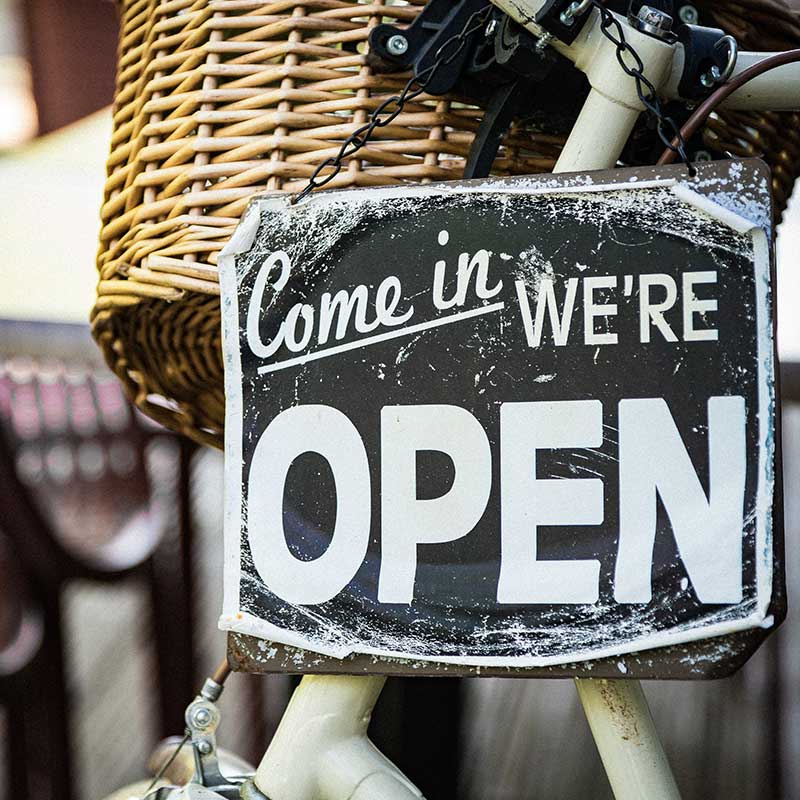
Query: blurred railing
88	490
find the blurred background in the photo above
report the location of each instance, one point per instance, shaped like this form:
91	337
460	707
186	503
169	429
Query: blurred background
110	527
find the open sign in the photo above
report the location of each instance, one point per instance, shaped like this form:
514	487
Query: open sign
513	423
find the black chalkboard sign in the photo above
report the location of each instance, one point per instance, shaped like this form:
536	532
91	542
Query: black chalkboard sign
514	423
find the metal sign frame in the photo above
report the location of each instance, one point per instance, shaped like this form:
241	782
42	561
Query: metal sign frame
739	187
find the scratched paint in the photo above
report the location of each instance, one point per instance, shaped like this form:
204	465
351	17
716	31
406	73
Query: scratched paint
536	231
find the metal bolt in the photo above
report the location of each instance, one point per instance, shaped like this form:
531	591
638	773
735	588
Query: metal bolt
491	28
655	22
204	747
201	718
397	45
573	11
567	16
702	155
211	690
711	78
689	15
542	42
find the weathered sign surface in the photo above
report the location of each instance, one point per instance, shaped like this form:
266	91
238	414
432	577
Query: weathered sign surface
521	422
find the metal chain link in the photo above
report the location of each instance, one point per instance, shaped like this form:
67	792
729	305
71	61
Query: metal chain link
390	108
667	129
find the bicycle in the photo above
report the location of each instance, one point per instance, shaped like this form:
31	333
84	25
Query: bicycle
632	64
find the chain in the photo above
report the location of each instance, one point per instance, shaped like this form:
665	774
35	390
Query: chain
667	129
390	108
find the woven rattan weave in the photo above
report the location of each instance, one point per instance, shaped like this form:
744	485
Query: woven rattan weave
220	99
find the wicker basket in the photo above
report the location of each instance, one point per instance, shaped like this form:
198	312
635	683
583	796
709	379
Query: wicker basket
220	99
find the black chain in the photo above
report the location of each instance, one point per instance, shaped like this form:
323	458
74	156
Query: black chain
390	108
386	112
667	129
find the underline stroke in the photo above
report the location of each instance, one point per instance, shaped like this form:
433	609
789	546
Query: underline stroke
379	337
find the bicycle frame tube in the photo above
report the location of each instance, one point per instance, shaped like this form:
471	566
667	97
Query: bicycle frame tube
321	750
626	739
776	90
